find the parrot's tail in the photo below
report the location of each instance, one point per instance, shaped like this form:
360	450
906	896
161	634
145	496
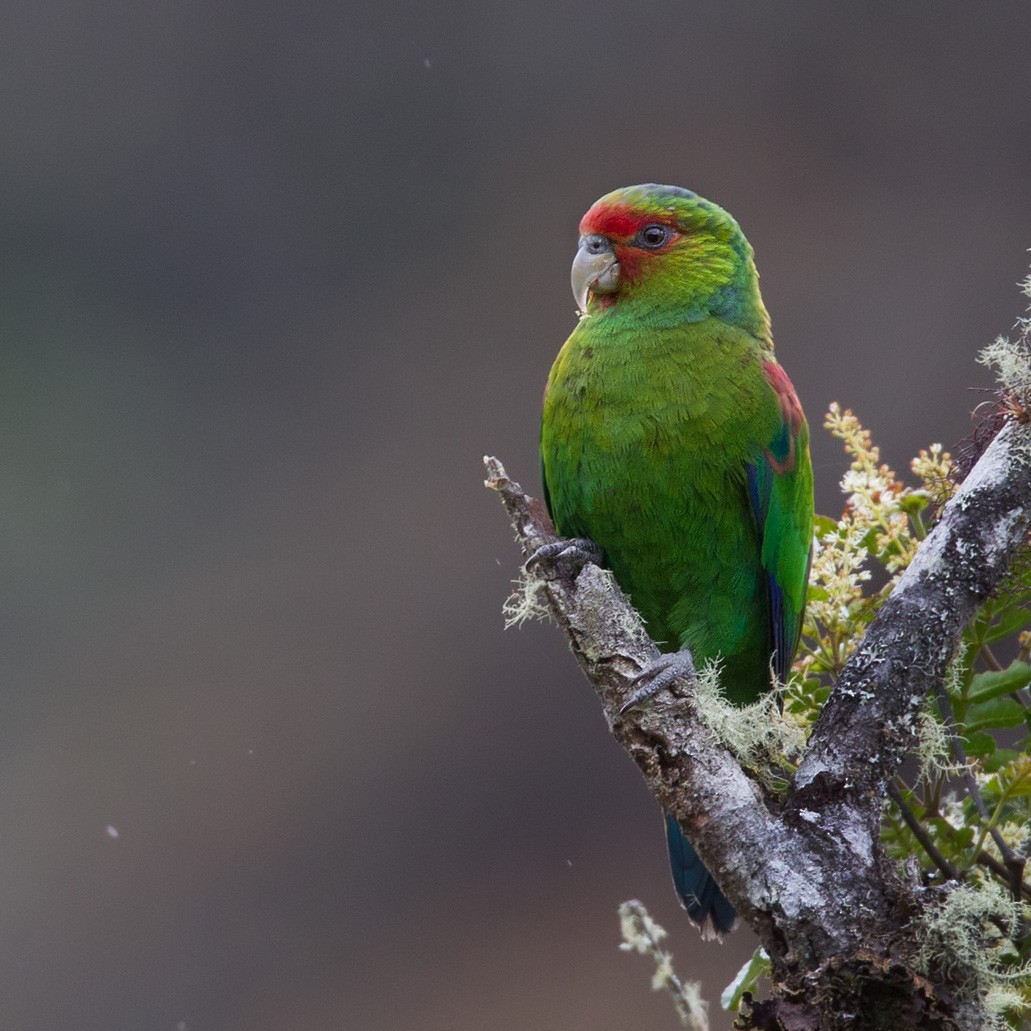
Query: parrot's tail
706	905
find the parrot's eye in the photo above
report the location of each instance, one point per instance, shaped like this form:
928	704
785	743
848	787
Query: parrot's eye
653	236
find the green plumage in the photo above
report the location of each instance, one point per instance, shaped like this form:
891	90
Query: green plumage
672	439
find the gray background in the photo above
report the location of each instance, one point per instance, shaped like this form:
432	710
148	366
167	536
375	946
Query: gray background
275	277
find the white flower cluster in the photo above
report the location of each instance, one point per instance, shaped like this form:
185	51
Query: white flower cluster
881	521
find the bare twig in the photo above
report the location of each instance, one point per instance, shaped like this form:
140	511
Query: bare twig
1014	863
920	834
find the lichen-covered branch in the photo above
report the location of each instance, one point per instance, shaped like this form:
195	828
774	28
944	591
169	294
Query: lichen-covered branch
763	862
869	721
810	875
690	774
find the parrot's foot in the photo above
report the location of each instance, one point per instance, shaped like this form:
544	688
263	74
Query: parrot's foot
658	676
563	559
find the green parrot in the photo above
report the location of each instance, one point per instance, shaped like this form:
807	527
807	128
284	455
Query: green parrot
674	449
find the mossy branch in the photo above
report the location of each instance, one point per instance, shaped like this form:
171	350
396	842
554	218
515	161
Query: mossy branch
810	876
871	719
687	770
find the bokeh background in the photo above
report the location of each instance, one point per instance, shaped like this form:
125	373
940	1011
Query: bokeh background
275	277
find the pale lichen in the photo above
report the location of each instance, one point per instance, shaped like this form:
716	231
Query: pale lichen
1012	359
526	602
961	936
1000	1002
761	736
934	740
1012	362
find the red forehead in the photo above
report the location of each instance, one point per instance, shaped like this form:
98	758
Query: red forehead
620	221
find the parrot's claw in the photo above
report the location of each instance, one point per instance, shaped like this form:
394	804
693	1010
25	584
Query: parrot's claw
564	558
658	676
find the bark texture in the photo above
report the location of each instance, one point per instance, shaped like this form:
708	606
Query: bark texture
809	874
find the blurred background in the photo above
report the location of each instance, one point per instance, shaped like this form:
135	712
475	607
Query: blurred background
275	277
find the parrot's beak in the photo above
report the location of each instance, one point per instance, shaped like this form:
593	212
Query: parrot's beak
594	268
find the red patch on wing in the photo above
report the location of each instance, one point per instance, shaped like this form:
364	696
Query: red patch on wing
791	412
789	403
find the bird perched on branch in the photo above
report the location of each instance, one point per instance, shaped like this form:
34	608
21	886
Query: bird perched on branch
674	448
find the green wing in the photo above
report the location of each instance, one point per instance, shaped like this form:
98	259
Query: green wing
780	488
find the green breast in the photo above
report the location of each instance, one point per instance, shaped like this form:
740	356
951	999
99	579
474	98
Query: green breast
644	442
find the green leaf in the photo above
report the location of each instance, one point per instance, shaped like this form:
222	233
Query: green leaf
999	758
823	525
1009	623
746	980
914	502
961	837
1004	681
979	744
1012	780
869	539
994	714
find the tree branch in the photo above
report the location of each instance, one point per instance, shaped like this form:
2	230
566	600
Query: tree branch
870	718
810	878
869	721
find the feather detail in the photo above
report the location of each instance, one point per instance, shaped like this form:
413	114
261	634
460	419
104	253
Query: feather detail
780	492
707	907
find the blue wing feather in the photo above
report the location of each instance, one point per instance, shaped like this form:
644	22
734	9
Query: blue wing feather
785	623
706	905
780	490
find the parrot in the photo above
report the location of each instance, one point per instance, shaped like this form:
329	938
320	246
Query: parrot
674	449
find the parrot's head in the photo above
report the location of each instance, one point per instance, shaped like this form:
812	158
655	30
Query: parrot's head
664	255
